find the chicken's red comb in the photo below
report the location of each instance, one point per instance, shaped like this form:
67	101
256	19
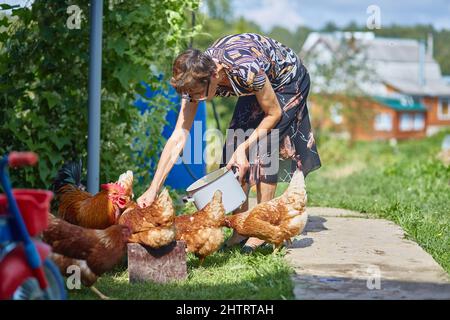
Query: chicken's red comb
112	187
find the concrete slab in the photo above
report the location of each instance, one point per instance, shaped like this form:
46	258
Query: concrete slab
357	258
335	212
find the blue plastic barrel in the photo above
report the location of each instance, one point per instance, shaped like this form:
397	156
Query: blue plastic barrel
191	165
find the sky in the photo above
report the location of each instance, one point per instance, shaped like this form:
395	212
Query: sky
315	13
14	2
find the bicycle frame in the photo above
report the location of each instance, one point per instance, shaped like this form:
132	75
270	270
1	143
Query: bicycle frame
34	256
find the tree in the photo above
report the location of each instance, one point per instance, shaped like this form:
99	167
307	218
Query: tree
330	27
339	80
44	79
300	36
219	9
241	25
284	36
351	26
418	32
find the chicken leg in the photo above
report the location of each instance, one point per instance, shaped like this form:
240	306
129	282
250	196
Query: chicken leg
101	295
276	249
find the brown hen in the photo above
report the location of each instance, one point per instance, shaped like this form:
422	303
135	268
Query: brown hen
276	220
202	231
93	251
154	225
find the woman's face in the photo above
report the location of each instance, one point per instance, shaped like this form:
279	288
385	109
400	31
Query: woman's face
200	92
203	92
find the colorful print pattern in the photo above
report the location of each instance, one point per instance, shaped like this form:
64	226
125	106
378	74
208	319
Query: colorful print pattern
296	147
248	57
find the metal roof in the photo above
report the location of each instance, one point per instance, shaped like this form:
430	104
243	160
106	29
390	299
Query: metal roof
396	61
401	104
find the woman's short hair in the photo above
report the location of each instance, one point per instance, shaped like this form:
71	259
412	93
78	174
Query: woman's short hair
191	68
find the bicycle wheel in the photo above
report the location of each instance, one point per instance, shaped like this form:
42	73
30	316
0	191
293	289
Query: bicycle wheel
30	290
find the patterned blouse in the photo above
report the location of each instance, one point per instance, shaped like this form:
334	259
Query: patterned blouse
248	57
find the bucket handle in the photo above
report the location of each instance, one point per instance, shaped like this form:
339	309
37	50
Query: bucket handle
236	173
187	199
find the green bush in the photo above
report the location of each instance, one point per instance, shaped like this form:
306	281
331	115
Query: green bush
44	83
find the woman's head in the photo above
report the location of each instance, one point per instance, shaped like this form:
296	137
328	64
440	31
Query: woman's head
192	71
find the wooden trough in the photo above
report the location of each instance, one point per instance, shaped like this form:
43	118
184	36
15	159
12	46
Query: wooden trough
161	265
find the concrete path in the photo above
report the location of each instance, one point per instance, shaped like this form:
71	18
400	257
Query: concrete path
344	255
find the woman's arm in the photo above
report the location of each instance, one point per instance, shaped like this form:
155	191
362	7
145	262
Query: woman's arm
171	151
269	103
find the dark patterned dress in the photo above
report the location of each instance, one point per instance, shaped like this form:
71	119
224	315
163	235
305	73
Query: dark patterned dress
246	59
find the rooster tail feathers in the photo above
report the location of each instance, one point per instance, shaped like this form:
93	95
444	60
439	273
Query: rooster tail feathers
70	173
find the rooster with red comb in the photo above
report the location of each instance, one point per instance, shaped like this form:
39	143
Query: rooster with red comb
81	208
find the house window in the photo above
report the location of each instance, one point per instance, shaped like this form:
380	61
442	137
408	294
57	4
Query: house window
406	122
444	109
336	113
383	122
419	121
412	122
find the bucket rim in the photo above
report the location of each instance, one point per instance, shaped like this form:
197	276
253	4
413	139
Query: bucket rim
203	180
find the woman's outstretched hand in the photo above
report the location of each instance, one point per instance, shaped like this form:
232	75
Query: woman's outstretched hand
239	159
147	198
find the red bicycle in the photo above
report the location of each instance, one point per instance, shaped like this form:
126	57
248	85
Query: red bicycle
26	272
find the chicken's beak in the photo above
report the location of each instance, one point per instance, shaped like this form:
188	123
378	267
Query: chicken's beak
122	202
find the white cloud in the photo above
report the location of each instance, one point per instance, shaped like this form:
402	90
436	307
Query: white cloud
269	13
315	13
18	2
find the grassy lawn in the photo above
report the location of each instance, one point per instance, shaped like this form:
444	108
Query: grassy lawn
405	183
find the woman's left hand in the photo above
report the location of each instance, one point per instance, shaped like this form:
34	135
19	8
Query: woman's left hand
239	159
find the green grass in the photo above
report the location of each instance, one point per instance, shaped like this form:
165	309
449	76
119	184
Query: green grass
228	275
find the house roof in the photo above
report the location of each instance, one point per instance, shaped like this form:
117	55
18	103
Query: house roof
400	104
397	62
430	88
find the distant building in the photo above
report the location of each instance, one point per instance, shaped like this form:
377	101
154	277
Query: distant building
410	97
447	79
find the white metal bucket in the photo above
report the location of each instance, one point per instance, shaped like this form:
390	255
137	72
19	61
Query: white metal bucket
202	191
